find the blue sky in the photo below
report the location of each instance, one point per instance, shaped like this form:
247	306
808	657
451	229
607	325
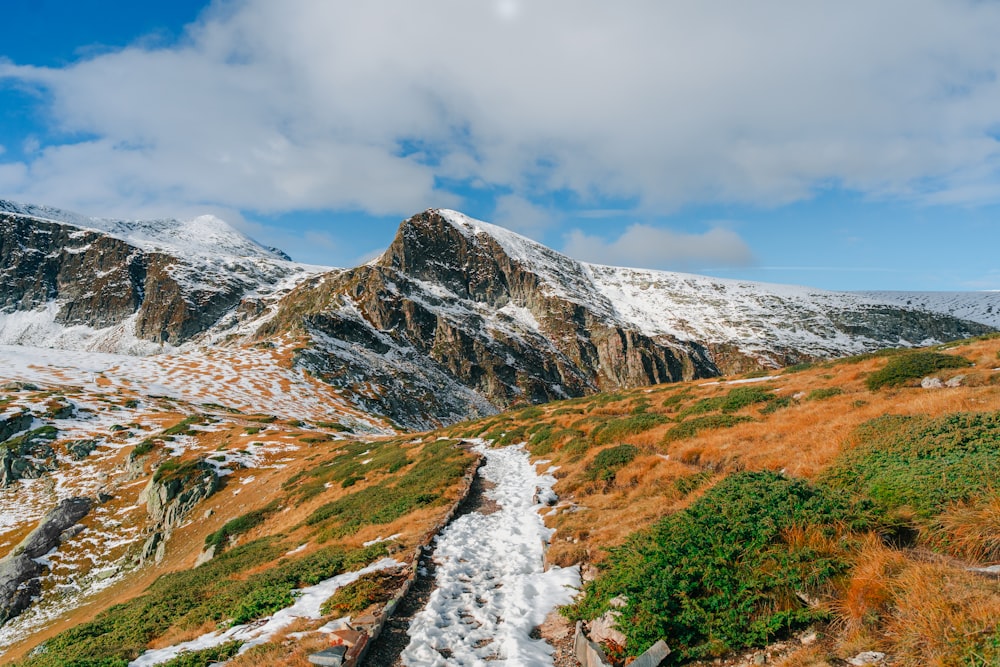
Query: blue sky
848	145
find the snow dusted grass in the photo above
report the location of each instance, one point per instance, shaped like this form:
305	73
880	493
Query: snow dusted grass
492	586
246	379
307	605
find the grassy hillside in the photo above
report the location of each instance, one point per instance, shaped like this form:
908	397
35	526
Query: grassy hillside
839	496
716	508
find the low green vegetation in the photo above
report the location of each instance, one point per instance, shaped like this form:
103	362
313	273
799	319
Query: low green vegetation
904	368
613	430
206	656
183	427
219	591
722	574
439	466
240	525
356	462
372	588
824	393
734	401
920	465
692	427
609	461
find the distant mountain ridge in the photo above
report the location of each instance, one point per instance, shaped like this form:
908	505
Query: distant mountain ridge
456	318
128	286
455	304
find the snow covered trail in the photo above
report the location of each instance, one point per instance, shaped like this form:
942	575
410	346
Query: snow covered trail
492	586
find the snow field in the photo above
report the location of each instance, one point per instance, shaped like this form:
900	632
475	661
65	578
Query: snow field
492	586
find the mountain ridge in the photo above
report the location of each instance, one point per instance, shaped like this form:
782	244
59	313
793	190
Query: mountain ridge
457	318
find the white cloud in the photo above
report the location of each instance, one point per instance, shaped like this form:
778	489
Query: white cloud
517	213
308	104
646	246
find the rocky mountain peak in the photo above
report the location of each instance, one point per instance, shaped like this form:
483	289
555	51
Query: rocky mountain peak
203	236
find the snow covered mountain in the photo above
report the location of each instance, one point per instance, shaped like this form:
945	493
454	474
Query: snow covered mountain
459	317
74	282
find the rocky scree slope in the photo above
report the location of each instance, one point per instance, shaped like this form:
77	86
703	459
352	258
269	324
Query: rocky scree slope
128	286
460	318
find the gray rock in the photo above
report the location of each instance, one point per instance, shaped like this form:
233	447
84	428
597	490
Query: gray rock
955	382
19	573
653	656
867	658
81	449
47	535
331	657
15	424
932	383
169	500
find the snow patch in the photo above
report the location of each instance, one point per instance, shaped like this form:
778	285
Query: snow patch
251	634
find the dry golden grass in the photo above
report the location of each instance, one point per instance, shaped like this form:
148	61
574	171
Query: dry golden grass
938	614
810	656
867	597
970	531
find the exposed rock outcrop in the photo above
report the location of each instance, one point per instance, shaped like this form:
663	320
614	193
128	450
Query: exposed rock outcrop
172	492
29	455
19	570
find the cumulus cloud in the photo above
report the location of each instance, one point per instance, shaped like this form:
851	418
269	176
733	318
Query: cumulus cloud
519	214
308	104
647	246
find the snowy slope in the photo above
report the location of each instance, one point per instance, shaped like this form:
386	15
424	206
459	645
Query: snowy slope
755	316
209	261
983	307
203	236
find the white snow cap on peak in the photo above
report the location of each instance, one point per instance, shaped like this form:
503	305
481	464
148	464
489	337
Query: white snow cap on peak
203	235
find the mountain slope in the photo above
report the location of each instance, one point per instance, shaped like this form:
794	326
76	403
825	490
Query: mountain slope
457	310
130	286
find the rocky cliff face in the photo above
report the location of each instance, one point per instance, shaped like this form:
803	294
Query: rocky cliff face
170	496
65	274
457	311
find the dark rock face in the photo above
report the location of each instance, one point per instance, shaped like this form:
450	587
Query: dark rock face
100	281
19	572
447	316
27	456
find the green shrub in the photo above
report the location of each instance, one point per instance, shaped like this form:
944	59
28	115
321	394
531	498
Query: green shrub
534	412
439	466
616	429
904	368
797	368
779	403
673	401
824	393
921	464
183	427
689	483
692	427
242	524
609	461
719	575
735	400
